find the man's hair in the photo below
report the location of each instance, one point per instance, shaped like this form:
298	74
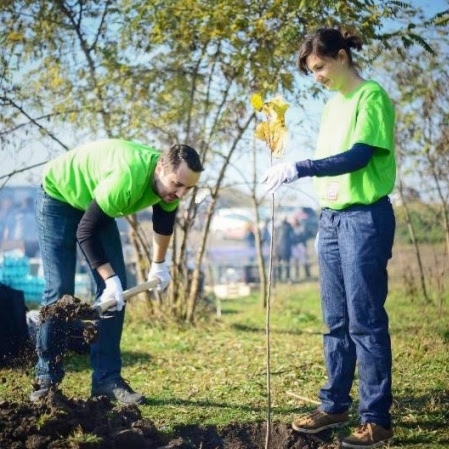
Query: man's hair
173	157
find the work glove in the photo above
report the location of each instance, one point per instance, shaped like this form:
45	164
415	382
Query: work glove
159	270
279	174
113	290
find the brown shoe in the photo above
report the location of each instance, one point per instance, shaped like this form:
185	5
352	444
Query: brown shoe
319	421
368	436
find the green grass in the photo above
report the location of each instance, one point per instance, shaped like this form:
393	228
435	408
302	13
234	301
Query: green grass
215	373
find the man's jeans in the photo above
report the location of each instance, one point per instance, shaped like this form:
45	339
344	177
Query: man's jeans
57	224
354	246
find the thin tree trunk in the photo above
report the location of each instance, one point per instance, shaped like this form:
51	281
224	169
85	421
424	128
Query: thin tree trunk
267	326
411	231
261	265
445	211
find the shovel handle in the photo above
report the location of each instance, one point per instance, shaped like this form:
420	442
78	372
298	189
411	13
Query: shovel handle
148	285
106	305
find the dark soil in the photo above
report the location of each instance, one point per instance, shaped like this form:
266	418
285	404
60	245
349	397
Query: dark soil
70	308
99	424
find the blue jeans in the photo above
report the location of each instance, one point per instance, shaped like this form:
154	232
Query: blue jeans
354	247
57	224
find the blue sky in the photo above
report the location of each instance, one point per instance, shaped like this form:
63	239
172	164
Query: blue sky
432	6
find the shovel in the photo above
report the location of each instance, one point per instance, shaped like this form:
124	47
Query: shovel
90	331
100	308
70	308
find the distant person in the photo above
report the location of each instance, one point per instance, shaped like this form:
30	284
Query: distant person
83	192
20	229
265	236
300	257
283	242
266	232
354	173
9	225
249	237
250	241
6	205
24	229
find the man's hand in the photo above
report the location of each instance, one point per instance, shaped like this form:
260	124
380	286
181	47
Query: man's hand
279	174
159	270
113	290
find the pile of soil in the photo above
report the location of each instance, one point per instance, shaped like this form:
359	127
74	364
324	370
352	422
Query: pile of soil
97	423
69	309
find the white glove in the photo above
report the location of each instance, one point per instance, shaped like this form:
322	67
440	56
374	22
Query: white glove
279	174
160	271
113	290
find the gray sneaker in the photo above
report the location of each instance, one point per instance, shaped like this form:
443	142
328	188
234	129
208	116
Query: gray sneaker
118	390
50	394
318	421
41	391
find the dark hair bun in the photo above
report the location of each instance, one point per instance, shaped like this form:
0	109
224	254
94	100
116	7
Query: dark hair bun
352	40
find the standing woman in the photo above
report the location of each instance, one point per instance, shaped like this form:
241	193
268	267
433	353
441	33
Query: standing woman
354	170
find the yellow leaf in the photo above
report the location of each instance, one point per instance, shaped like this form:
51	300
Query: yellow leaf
279	106
15	36
257	101
261	131
273	130
278	139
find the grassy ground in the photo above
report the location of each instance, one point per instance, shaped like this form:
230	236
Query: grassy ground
215	373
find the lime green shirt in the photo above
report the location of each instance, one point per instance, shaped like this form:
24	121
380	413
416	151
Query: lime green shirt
116	173
366	115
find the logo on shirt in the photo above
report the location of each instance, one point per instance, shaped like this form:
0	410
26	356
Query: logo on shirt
332	190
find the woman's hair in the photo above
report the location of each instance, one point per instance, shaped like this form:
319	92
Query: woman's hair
173	157
327	42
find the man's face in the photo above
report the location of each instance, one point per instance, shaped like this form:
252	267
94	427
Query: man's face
173	185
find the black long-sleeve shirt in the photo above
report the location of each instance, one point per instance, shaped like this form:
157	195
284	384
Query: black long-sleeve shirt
94	219
348	161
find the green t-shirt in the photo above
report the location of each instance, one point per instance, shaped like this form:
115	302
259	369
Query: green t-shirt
117	173
367	116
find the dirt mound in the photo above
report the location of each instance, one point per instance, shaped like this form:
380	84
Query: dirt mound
69	309
99	424
253	436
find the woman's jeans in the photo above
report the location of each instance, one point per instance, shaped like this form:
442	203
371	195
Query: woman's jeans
354	246
57	224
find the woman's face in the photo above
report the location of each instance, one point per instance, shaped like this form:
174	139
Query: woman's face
333	73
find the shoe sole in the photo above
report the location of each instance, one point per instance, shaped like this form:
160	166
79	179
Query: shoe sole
36	396
113	398
319	429
35	399
358	446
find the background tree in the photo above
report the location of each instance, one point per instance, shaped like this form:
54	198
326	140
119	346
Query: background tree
423	150
163	71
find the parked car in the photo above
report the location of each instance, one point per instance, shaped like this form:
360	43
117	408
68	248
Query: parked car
230	224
